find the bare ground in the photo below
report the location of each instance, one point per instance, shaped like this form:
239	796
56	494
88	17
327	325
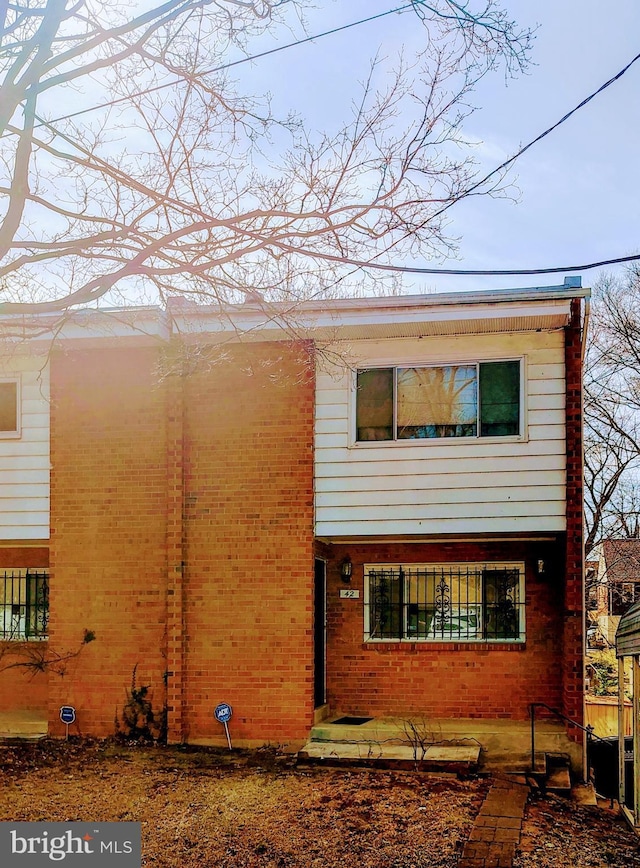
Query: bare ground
214	808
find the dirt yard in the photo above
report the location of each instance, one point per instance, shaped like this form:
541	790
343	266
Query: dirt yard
207	808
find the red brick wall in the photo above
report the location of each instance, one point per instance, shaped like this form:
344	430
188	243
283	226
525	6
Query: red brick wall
573	633
438	680
108	516
248	589
23	688
215	594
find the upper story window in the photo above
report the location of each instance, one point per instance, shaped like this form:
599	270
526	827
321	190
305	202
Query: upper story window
9	408
464	400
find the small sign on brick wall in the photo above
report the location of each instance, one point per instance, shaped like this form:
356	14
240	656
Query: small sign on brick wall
349	594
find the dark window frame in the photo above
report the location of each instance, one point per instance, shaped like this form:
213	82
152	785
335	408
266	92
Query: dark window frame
24	605
479	602
14	431
381	411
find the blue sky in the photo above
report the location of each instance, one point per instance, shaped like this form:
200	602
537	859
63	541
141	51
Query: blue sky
578	189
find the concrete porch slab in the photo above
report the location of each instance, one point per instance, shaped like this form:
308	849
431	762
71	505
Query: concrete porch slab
504	744
434	758
25	725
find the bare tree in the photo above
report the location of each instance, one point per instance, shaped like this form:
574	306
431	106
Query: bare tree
612	412
35	657
175	183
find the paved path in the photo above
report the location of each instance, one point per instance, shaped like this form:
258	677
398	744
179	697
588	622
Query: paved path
496	832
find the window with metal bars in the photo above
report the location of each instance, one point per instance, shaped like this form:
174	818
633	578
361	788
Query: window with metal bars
445	602
24	604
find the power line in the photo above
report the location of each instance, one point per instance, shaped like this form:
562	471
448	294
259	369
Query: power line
222	67
398	10
407	269
461	272
495	171
399	268
545	133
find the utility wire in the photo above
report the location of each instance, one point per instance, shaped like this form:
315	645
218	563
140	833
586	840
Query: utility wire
400	268
501	167
542	135
462	272
408	269
223	66
399	10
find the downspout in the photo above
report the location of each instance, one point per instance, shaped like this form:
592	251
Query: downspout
175	538
585	324
576	282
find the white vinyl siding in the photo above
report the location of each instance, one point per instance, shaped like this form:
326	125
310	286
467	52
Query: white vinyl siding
464	485
25	460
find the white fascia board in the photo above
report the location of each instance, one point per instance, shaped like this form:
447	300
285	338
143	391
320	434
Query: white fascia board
439	299
340	320
141	325
333	319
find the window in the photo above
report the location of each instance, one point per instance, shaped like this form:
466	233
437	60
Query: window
9	408
24	604
622	596
466	400
445	602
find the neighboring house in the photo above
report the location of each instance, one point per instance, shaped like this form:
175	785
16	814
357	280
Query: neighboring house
617	583
382	518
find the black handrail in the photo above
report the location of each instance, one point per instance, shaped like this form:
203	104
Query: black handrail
588	729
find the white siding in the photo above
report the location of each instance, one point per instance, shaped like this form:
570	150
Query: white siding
435	487
25	460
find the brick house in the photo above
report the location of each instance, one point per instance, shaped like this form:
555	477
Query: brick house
382	517
615	584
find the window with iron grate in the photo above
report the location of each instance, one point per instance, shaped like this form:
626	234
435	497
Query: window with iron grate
445	602
24	604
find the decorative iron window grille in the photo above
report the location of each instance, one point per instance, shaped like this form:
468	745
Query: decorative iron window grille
445	602
24	604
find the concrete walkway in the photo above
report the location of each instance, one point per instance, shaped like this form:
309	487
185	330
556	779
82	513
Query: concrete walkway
496	832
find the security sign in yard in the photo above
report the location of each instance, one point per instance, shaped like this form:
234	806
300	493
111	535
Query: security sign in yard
104	845
223	714
67	716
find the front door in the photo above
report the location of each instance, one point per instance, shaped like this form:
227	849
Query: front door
319	633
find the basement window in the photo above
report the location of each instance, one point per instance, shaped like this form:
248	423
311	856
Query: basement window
9	408
480	399
24	604
445	602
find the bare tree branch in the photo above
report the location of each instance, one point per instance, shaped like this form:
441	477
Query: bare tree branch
612	412
196	190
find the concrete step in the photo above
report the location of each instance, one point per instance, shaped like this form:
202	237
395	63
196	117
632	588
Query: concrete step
558	780
584	794
558	773
451	758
